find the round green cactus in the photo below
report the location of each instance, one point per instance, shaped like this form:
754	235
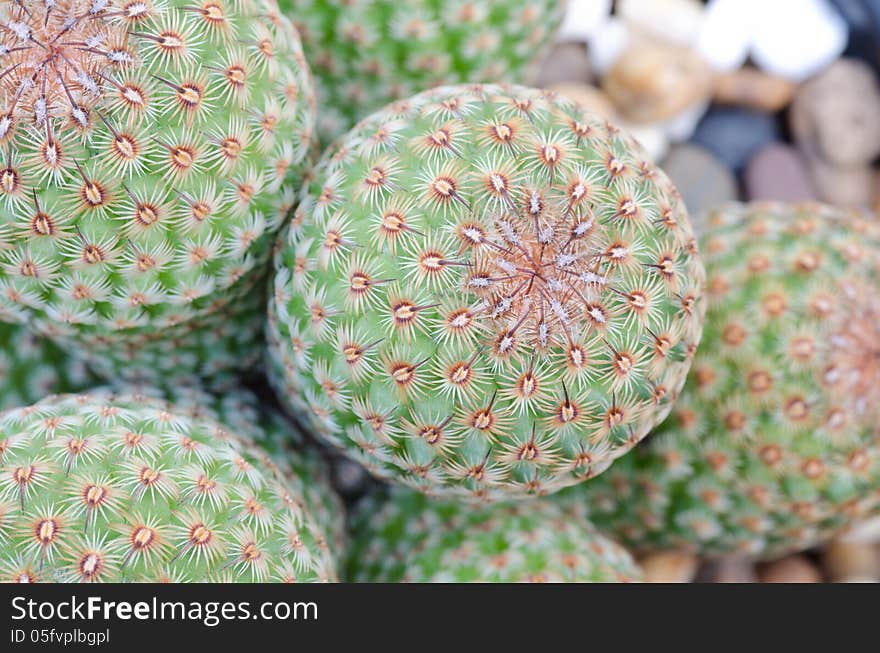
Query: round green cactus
485	293
122	488
774	444
304	470
408	537
32	367
368	53
150	152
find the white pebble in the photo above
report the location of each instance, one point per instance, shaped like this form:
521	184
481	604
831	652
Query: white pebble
683	126
608	44
727	33
583	19
798	49
679	21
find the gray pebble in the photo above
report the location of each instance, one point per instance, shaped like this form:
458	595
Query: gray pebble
702	179
734	134
777	172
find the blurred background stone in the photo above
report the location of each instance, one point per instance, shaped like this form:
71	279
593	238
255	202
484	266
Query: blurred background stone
796	38
778	172
793	569
766	32
732	569
734	134
669	567
753	89
836	115
851	562
863	20
702	179
607	44
584	18
682	127
726	35
567	63
677	21
654	81
843	186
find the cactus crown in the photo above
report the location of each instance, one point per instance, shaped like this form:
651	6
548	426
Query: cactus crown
518	276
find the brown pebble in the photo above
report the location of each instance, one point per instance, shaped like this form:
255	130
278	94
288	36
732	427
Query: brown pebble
653	81
567	62
732	569
589	98
702	179
669	567
849	187
847	562
877	195
793	569
749	87
835	117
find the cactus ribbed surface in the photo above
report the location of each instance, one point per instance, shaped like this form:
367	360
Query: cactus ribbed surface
32	367
242	411
774	444
408	537
150	152
485	293
368	53
123	488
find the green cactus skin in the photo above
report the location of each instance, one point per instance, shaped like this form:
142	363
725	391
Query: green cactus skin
305	471
150	153
774	444
202	350
122	488
369	53
485	293
408	537
32	367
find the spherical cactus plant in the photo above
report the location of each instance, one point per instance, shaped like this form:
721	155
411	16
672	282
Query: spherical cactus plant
150	151
120	488
304	470
774	444
485	293
368	53
32	367
408	537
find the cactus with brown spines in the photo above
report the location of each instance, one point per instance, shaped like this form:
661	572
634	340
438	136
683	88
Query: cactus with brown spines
113	487
774	444
149	151
485	293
